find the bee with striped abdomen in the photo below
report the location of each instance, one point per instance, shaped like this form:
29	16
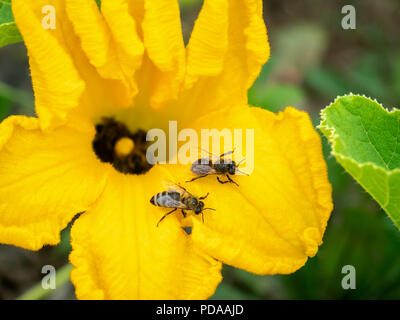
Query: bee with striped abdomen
206	166
179	198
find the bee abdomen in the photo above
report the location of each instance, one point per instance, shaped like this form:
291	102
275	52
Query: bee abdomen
165	199
202	166
153	200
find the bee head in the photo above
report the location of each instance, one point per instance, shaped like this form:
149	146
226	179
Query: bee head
232	168
199	207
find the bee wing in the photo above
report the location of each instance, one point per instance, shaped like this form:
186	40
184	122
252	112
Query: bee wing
202	166
170	185
172	203
169	199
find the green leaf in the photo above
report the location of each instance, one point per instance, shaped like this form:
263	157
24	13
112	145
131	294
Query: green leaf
9	34
365	140
4	108
8	29
5	11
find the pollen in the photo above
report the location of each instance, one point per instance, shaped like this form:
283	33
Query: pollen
124	147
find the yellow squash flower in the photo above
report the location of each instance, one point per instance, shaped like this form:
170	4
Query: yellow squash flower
128	64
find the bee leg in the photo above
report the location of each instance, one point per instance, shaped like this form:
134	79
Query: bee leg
198	177
183	213
222	182
166	215
230	180
202	216
202	198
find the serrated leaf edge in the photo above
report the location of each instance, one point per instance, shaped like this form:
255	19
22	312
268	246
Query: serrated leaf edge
332	136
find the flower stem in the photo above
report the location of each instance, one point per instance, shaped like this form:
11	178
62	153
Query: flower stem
37	292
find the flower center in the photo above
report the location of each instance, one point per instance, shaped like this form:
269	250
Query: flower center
124	147
116	144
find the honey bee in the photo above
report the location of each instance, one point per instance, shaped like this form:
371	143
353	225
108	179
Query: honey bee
179	198
206	166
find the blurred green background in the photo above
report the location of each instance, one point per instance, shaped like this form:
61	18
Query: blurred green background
313	60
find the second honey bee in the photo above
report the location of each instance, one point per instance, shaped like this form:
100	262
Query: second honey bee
222	166
179	198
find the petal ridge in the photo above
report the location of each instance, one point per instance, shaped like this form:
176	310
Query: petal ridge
41	193
56	83
120	253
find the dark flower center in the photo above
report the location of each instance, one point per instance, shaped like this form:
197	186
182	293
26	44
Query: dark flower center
116	144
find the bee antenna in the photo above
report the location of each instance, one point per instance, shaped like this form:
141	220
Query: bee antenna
210	153
241	161
237	170
227	153
209	209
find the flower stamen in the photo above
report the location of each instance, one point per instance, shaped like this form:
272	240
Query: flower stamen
124	147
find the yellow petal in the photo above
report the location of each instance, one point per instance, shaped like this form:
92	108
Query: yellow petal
124	31
45	179
65	83
120	253
277	216
208	43
57	84
98	43
163	40
225	53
